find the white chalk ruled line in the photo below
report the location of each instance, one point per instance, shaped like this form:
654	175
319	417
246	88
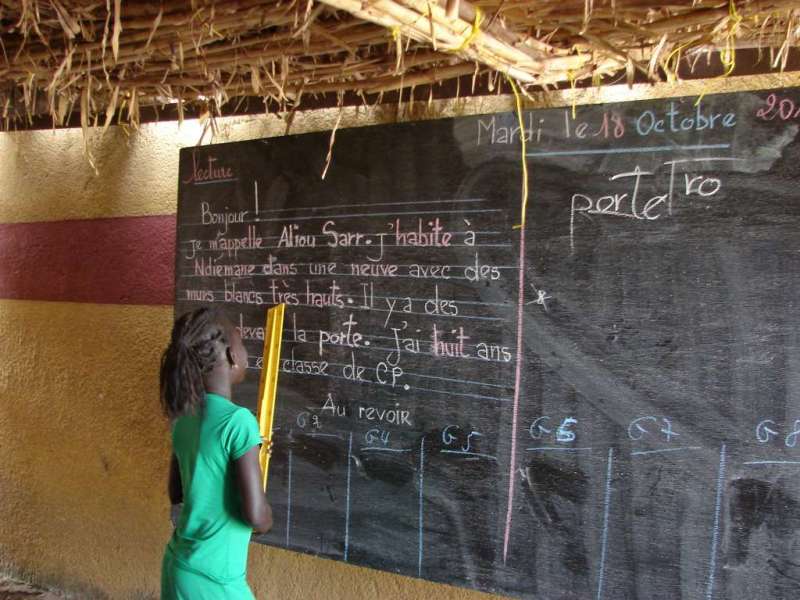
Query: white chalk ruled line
370	336
421	521
359	296
502	386
330	435
702	159
331	276
323	237
405	387
662	450
380	449
343	265
394	214
367	347
557	449
411	312
289	500
712	569
347	502
408	312
373	348
630	150
773	462
438	377
362	308
469	454
369	205
451	278
601	571
191	273
474	302
305	249
517	384
215	181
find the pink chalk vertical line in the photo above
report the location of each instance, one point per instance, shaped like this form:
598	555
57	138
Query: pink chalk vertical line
517	378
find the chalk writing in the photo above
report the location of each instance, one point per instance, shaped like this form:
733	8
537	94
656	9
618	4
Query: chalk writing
651	427
391	416
768	430
224	218
611	126
541	298
490	132
564	432
675	120
208	172
631	204
781	107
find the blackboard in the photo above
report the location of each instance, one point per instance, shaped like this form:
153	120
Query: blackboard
604	403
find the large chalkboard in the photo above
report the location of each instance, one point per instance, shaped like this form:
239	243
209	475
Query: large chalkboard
604	403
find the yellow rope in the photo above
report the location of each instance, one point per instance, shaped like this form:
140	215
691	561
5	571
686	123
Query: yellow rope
398	43
518	102
476	29
572	82
727	55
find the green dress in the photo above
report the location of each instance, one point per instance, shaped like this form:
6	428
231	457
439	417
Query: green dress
206	558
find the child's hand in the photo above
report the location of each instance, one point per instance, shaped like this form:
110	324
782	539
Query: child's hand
267	445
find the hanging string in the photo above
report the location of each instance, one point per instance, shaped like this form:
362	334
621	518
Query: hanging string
476	29
518	102
727	55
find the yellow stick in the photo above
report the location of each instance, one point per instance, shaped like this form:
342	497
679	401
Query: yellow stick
269	383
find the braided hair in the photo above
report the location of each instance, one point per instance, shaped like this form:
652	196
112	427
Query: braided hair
199	339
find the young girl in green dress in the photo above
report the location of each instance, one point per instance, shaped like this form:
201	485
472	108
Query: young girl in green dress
214	469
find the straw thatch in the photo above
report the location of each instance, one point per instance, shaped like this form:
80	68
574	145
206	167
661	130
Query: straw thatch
106	59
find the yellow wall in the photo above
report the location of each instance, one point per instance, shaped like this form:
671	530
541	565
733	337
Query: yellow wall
83	448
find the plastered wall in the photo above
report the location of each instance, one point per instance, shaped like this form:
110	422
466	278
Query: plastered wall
84	315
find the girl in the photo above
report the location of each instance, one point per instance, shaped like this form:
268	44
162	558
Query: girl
214	469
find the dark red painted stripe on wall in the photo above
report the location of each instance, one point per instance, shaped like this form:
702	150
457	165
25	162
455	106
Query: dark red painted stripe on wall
123	260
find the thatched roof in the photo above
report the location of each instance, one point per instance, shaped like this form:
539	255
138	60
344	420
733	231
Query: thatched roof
106	59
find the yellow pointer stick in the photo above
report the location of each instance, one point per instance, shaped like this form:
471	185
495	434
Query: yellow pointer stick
269	383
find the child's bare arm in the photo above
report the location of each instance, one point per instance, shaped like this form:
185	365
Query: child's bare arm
255	508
